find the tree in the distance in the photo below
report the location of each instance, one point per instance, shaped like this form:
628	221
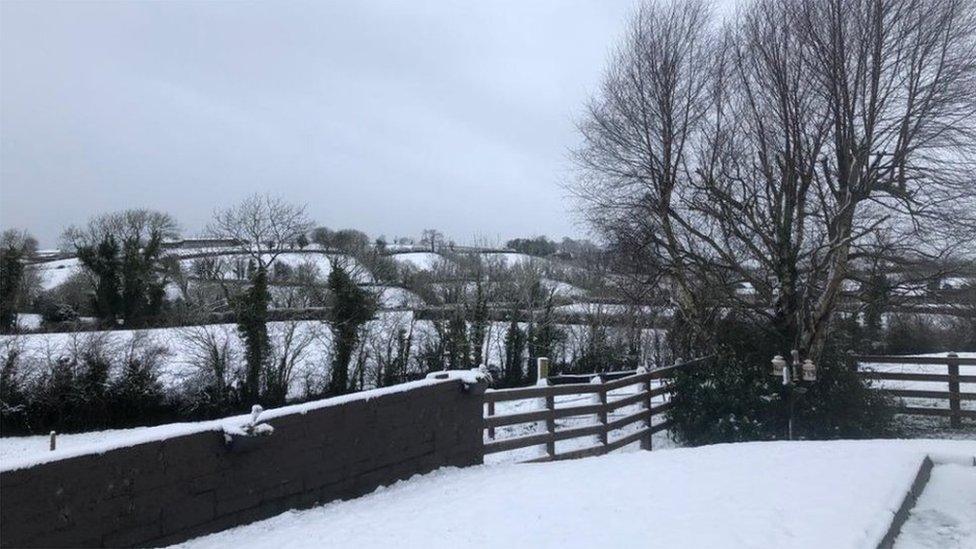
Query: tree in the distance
351	307
264	227
251	307
129	286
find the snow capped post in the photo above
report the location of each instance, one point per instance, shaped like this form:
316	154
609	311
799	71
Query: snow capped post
243	438
54	441
542	371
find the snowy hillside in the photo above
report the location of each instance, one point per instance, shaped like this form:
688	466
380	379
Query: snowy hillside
54	273
423	261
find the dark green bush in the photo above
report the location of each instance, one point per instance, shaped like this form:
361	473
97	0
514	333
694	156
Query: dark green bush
735	398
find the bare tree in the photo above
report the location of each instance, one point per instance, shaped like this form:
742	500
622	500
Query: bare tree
135	224
817	125
292	341
263	225
209	349
639	138
896	78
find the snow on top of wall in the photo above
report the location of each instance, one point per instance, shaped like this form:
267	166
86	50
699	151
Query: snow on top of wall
471	376
121	438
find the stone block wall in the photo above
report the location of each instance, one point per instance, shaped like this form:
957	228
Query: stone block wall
170	490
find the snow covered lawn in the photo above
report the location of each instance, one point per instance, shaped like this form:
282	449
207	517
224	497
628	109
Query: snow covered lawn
782	494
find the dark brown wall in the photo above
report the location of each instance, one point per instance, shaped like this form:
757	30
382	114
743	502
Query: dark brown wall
167	491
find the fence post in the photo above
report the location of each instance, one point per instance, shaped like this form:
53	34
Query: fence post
955	419
604	435
542	369
551	425
645	443
491	412
852	363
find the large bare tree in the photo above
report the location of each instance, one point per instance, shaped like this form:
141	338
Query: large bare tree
783	151
640	137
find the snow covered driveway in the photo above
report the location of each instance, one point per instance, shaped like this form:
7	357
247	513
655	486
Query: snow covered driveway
782	494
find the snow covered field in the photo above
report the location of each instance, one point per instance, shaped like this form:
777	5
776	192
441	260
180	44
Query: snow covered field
181	364
423	261
775	495
321	260
54	273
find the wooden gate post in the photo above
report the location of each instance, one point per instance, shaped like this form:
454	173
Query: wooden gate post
541	368
645	443
955	419
491	412
551	425
603	416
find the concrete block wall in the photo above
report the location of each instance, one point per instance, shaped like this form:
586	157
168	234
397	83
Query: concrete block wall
171	490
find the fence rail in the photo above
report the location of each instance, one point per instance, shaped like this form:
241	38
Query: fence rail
952	378
602	409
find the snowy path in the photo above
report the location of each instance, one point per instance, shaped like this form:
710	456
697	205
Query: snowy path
839	494
944	517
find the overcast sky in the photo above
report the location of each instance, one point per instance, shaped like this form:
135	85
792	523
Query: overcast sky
389	117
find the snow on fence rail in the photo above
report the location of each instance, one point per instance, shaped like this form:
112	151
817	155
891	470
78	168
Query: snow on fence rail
919	383
651	385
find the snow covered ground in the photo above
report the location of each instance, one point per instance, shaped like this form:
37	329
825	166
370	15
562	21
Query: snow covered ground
54	273
28	321
423	261
776	495
394	297
511	259
944	517
322	261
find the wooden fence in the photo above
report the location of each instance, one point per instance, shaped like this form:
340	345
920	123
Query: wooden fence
952	378
602	408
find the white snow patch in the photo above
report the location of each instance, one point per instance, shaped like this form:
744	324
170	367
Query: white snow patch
470	377
54	273
423	261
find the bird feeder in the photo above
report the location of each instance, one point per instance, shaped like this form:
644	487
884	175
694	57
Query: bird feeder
779	363
809	370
